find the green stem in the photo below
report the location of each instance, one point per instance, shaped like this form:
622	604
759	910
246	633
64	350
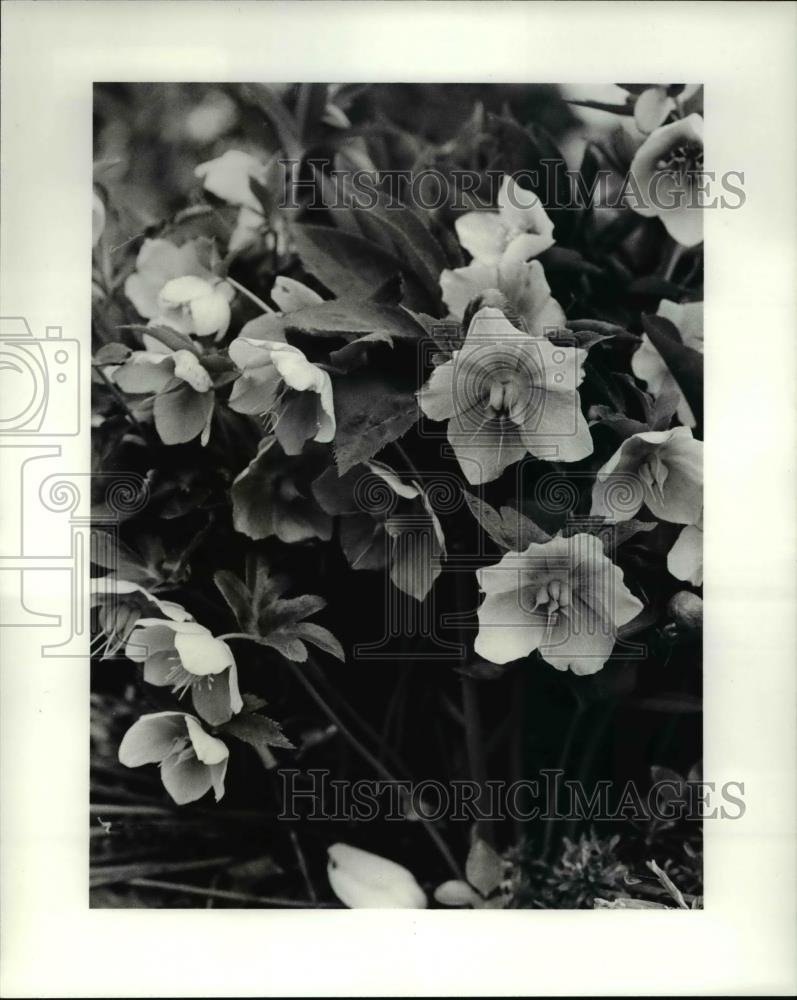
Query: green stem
232	897
474	743
250	295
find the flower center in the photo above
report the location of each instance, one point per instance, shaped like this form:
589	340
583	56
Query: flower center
504	394
685	163
553	596
653	473
182	749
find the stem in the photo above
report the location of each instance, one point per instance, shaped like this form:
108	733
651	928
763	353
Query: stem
120	399
517	746
563	757
377	765
233	897
474	742
250	295
675	255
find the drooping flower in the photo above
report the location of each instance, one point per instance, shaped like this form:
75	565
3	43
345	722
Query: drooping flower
158	262
518	230
183	388
648	364
685	558
522	284
667	176
185	656
196	305
228	176
661	469
362	880
565	598
120	604
506	394
278	379
191	760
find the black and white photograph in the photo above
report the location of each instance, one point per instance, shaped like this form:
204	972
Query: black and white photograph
397	448
404	605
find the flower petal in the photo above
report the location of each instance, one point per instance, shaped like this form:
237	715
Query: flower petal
581	641
436	398
188	368
685	558
651	108
363	880
463	284
208	749
201	654
507	630
483	235
526	287
291	295
151	738
185	780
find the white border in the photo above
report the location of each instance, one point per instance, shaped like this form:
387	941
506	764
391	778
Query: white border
744	942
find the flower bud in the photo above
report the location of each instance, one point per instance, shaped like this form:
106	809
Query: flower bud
686	610
363	880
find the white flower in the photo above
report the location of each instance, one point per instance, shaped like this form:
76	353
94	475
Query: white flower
228	177
157	263
362	880
661	469
520	229
563	597
195	305
647	364
685	558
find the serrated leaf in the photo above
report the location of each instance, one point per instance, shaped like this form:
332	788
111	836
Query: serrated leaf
484	868
508	528
287	644
320	637
258	731
372	409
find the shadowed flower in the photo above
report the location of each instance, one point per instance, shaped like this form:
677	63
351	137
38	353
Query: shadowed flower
185	656
158	262
667	173
661	469
647	364
119	605
520	229
506	394
565	598
362	880
685	558
184	396
191	760
279	380
522	285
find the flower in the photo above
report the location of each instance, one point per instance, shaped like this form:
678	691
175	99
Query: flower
506	393
647	364
661	469
228	177
157	263
191	304
520	229
654	104
362	880
524	287
117	617
278	379
667	173
685	558
563	597
184	389
191	760
186	656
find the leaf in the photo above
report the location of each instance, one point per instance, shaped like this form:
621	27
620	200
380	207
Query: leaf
414	565
112	354
684	363
181	414
371	410
583	339
238	597
268	102
258	731
286	643
508	528
320	637
619	333
484	868
613	534
169	338
347	265
343	318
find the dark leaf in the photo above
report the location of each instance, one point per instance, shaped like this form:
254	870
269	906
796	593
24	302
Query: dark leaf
371	411
508	528
685	364
238	597
257	731
484	868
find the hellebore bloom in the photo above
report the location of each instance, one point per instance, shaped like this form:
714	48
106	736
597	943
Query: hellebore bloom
278	379
362	880
196	305
685	558
505	394
158	262
520	229
228	176
667	174
661	469
120	604
648	364
191	760
565	598
186	656
184	397
654	105
523	285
